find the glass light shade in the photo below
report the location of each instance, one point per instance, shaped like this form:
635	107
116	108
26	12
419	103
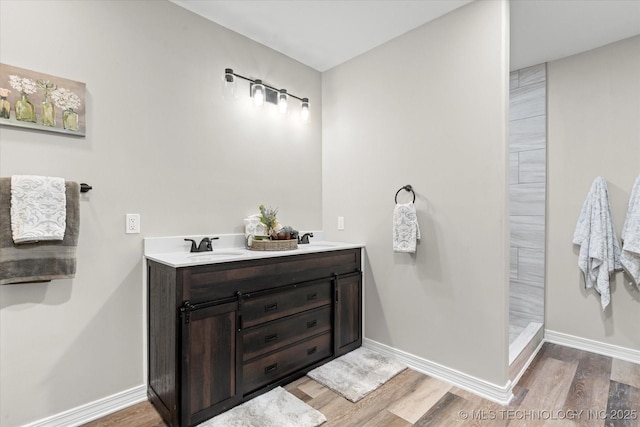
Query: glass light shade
282	101
304	112
229	85
257	91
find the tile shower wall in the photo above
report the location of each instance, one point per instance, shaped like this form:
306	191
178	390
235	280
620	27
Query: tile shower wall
527	168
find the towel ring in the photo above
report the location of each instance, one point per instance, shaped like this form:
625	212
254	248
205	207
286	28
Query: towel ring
406	188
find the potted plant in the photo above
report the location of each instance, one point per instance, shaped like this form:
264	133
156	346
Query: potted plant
268	218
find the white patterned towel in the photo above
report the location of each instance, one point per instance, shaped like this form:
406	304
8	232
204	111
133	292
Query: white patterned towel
630	257
38	208
406	231
599	248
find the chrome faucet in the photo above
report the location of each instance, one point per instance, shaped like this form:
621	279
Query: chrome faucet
305	238
204	246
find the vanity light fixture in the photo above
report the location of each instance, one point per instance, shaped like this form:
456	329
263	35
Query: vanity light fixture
261	93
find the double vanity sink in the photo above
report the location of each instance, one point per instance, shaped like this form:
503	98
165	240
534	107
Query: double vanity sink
174	252
229	324
226	255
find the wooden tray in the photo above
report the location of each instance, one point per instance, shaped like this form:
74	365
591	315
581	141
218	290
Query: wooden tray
274	245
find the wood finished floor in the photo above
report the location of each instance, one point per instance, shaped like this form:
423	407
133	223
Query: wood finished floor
560	383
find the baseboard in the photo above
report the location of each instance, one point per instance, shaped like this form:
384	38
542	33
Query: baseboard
94	410
493	392
604	349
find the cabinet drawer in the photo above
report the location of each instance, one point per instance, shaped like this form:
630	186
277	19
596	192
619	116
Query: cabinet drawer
223	280
272	306
279	333
278	365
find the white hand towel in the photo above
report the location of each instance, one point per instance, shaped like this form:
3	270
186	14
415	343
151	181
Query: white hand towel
38	208
254	227
599	248
630	257
406	231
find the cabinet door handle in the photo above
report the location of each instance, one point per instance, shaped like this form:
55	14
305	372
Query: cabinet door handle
312	350
270	368
271	337
312	296
312	323
271	307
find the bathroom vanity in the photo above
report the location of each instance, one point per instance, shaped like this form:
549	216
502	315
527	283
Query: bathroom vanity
224	330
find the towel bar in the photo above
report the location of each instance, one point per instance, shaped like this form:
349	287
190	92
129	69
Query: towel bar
85	187
408	188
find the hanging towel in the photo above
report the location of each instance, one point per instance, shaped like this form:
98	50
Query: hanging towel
406	231
40	261
599	248
38	208
630	257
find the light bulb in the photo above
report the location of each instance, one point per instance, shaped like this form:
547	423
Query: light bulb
304	112
282	101
258	93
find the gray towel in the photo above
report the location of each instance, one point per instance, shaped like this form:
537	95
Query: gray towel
599	254
630	257
40	261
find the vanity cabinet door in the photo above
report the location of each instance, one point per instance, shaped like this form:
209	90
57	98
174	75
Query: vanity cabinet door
211	366
348	313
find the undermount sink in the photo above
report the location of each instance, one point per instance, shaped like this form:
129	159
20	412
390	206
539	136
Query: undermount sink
312	245
214	255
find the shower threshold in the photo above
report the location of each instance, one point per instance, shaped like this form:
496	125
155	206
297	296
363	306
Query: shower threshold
521	342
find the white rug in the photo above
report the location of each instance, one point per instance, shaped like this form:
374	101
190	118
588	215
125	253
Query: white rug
277	408
357	373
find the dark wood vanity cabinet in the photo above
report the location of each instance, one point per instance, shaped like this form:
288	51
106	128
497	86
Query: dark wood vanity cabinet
220	334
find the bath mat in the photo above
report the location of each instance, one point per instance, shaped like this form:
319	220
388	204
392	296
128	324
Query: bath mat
277	408
357	373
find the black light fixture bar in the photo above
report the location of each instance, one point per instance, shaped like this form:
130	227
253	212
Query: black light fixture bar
229	71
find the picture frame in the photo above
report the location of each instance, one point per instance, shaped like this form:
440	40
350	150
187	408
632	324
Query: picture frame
35	100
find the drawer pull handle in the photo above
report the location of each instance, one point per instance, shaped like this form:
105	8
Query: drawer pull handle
312	350
271	337
311	323
270	368
271	307
312	296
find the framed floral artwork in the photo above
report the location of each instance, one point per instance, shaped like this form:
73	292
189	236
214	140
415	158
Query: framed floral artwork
29	99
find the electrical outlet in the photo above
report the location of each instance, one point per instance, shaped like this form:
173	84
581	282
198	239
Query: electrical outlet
340	223
132	223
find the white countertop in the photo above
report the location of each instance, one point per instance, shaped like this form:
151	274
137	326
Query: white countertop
174	251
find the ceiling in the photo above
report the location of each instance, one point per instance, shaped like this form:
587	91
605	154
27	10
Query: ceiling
326	33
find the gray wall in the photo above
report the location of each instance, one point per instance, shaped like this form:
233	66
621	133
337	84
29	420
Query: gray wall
161	142
594	130
428	109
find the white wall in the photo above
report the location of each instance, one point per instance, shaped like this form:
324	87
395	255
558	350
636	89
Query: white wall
161	142
594	130
428	109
